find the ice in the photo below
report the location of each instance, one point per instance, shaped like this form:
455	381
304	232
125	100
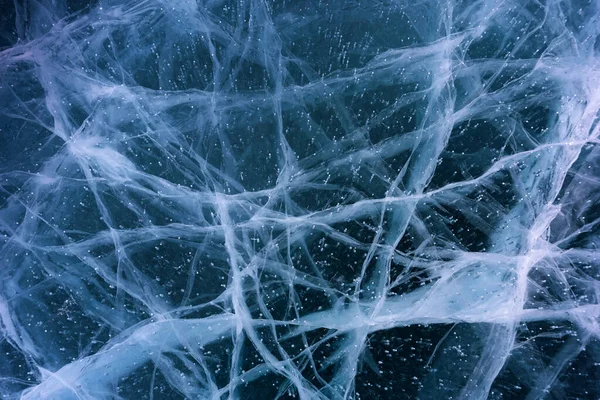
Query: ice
300	199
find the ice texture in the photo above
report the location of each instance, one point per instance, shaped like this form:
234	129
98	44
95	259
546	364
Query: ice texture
330	199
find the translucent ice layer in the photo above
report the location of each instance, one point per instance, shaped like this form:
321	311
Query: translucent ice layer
300	199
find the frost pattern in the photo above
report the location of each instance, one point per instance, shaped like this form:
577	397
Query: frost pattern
300	199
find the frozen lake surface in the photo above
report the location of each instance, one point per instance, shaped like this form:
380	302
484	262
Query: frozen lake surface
302	199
